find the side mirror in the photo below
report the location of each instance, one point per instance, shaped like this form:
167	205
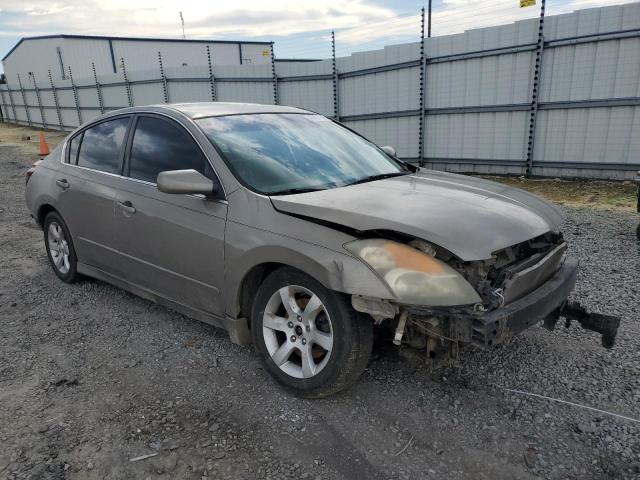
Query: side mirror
389	150
184	182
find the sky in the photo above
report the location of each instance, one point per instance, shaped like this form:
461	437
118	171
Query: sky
300	29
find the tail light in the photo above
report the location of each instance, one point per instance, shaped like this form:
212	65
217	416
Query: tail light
31	170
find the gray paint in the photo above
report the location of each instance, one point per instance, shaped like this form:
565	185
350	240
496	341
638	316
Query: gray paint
473	217
193	252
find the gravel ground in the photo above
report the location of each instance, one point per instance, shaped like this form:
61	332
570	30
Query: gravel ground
92	377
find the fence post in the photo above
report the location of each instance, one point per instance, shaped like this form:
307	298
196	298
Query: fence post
6	117
126	82
276	99
423	65
24	101
336	104
165	91
35	86
212	80
75	96
13	106
535	93
55	101
98	87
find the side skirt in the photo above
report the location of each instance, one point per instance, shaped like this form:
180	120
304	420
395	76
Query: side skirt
237	328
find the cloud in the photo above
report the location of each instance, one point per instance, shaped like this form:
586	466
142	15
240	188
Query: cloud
295	25
203	18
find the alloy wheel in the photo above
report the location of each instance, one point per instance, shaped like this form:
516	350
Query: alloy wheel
297	331
58	247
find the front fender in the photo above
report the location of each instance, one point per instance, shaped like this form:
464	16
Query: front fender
247	247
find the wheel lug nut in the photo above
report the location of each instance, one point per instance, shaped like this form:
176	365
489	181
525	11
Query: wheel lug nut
304	341
290	324
293	338
299	318
308	328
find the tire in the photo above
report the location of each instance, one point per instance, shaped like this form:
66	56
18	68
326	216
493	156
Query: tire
297	351
60	249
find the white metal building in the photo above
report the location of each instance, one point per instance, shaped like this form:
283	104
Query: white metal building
38	55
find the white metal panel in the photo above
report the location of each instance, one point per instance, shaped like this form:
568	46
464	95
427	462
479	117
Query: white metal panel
400	133
37	56
189	92
255	54
290	69
143	55
315	95
477	135
591	71
114	97
69	118
80	53
87	97
604	135
46	96
251	92
380	92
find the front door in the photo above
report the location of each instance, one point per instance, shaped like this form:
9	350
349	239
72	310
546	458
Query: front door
172	245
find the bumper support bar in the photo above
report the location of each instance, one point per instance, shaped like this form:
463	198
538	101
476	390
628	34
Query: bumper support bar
605	325
549	303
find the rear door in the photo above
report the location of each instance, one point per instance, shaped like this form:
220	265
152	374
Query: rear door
170	244
88	180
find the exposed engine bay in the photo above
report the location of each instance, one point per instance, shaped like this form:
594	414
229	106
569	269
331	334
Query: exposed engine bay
519	286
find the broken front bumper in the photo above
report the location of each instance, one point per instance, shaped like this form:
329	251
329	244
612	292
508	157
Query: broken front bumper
547	303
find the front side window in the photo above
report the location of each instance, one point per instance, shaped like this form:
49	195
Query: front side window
160	145
101	147
288	153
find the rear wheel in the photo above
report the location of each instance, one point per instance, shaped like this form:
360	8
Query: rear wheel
62	255
309	337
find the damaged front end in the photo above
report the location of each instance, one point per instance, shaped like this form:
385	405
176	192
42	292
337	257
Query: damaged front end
517	288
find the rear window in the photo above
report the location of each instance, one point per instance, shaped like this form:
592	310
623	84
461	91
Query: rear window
101	147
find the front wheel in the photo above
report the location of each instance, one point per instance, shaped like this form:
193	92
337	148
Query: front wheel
309	337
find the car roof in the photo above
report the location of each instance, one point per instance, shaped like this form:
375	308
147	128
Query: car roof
214	109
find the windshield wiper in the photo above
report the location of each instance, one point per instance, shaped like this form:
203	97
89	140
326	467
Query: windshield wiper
291	191
379	176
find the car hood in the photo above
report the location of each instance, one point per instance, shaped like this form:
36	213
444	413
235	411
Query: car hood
468	216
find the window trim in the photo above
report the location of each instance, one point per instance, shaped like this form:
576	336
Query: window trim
134	114
67	153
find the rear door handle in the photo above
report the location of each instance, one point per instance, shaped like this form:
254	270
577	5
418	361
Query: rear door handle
63	183
127	207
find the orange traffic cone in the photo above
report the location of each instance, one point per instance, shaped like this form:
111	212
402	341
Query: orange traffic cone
44	148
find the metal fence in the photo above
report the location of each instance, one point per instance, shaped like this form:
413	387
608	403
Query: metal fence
556	96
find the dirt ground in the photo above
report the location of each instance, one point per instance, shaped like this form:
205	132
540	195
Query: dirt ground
93	378
602	195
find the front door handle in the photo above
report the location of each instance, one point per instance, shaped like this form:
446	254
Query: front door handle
127	207
63	183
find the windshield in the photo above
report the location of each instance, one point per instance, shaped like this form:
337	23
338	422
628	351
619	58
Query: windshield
288	153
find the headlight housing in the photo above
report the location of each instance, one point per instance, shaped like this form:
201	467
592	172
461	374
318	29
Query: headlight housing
413	276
